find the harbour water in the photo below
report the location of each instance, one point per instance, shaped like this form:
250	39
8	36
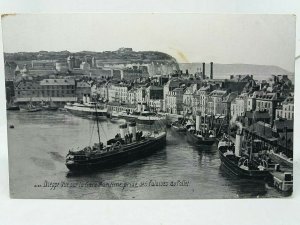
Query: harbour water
40	141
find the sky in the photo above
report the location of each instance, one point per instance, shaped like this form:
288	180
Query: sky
190	37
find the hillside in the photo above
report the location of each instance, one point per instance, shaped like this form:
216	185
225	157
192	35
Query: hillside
121	56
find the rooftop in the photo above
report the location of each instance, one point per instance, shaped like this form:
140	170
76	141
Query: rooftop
57	82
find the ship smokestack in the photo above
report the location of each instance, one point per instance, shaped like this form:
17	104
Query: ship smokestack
132	130
123	130
238	143
203	70
198	119
211	70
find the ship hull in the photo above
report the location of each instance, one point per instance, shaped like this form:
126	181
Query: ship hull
237	171
139	120
13	108
85	113
193	139
127	155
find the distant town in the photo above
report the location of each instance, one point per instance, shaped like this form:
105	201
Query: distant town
123	79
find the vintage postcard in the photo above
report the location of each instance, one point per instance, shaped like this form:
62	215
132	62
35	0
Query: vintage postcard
149	106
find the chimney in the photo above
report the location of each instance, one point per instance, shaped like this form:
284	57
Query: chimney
211	70
203	70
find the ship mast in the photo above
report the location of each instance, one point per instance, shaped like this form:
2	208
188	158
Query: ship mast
98	131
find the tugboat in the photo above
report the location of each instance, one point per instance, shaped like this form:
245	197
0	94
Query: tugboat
243	164
201	135
125	147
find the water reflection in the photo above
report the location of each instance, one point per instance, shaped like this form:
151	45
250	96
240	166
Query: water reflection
40	141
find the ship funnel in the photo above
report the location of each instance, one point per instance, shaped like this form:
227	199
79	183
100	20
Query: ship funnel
123	130
139	107
198	119
132	130
238	143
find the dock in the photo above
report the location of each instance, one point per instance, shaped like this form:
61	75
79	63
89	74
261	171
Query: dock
283	181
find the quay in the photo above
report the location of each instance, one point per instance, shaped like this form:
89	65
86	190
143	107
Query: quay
283	181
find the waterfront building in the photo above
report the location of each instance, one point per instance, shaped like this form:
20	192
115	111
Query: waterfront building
188	99
58	90
174	100
170	86
154	93
141	95
215	102
269	102
83	88
285	109
118	92
132	96
239	105
203	93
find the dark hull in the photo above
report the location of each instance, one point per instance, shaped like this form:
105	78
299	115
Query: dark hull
13	108
236	170
127	155
193	139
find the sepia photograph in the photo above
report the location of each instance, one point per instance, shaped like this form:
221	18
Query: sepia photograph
149	105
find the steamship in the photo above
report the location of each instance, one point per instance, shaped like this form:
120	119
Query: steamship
141	115
87	108
124	147
201	134
244	163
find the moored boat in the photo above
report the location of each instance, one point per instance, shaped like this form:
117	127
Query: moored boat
200	135
86	109
30	108
243	163
126	146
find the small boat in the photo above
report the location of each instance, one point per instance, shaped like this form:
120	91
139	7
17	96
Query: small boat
30	108
200	138
178	127
11	126
12	106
